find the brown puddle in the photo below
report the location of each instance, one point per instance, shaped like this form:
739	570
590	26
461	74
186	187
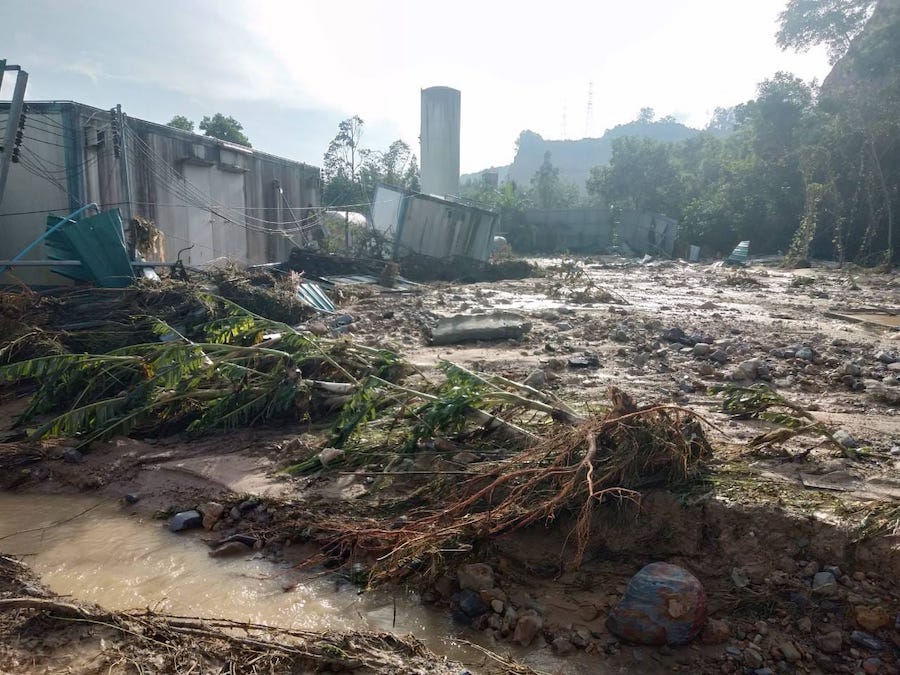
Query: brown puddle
122	562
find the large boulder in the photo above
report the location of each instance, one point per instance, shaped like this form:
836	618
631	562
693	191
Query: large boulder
662	604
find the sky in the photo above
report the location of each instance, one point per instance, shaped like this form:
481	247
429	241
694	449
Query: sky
290	71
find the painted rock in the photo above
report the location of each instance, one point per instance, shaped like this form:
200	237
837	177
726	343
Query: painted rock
662	604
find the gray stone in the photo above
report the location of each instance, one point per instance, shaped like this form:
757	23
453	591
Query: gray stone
618	335
497	605
866	640
466	328
738	578
185	520
824	583
805	353
719	356
763	671
563	326
471	603
752	658
701	349
536	379
527	627
465	457
477	577
581	637
734	651
886	357
834	569
895	450
843	437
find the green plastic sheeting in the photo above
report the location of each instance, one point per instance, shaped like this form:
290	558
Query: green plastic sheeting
99	243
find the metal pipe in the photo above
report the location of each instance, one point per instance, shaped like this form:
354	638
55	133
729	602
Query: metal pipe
46	234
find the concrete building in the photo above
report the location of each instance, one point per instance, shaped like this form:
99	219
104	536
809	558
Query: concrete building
227	200
440	141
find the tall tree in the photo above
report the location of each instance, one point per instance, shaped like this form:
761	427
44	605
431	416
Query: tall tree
342	165
549	190
833	23
181	122
224	128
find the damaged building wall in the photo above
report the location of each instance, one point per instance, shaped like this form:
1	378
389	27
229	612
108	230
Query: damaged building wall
227	200
431	226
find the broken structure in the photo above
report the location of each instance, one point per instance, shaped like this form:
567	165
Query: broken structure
217	199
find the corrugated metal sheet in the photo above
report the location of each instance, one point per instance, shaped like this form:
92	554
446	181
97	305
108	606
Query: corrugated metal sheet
99	243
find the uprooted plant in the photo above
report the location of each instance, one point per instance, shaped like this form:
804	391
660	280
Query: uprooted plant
760	401
566	474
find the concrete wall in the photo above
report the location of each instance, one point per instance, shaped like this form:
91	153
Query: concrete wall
586	230
225	199
440	141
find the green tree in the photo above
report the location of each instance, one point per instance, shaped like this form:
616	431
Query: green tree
224	128
833	23
549	190
181	122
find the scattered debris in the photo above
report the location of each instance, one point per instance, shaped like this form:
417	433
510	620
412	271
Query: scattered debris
468	328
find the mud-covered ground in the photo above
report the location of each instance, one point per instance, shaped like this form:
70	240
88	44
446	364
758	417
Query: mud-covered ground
756	528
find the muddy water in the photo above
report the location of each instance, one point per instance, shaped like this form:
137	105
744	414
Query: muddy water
122	561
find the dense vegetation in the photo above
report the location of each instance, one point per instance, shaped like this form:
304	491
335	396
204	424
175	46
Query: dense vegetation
807	169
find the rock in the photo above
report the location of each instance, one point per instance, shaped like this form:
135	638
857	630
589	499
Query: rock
895	451
719	356
866	640
843	437
886	357
789	651
185	520
562	646
753	658
824	583
235	513
805	353
586	360
132	498
230	548
72	456
536	379
465	457
497	606
329	456
471	603
662	604
763	671
618	335
676	335
527	627
701	349
738	578
804	624
211	512
871	666
811	568
715	632
831	642
563	326
581	637
476	577
706	369
834	569
747	370
245	539
466	328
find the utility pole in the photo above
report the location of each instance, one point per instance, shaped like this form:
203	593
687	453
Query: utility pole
126	180
14	123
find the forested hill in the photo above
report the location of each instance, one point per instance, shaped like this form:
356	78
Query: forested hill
575	159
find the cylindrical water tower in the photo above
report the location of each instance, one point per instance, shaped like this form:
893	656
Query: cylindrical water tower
440	141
